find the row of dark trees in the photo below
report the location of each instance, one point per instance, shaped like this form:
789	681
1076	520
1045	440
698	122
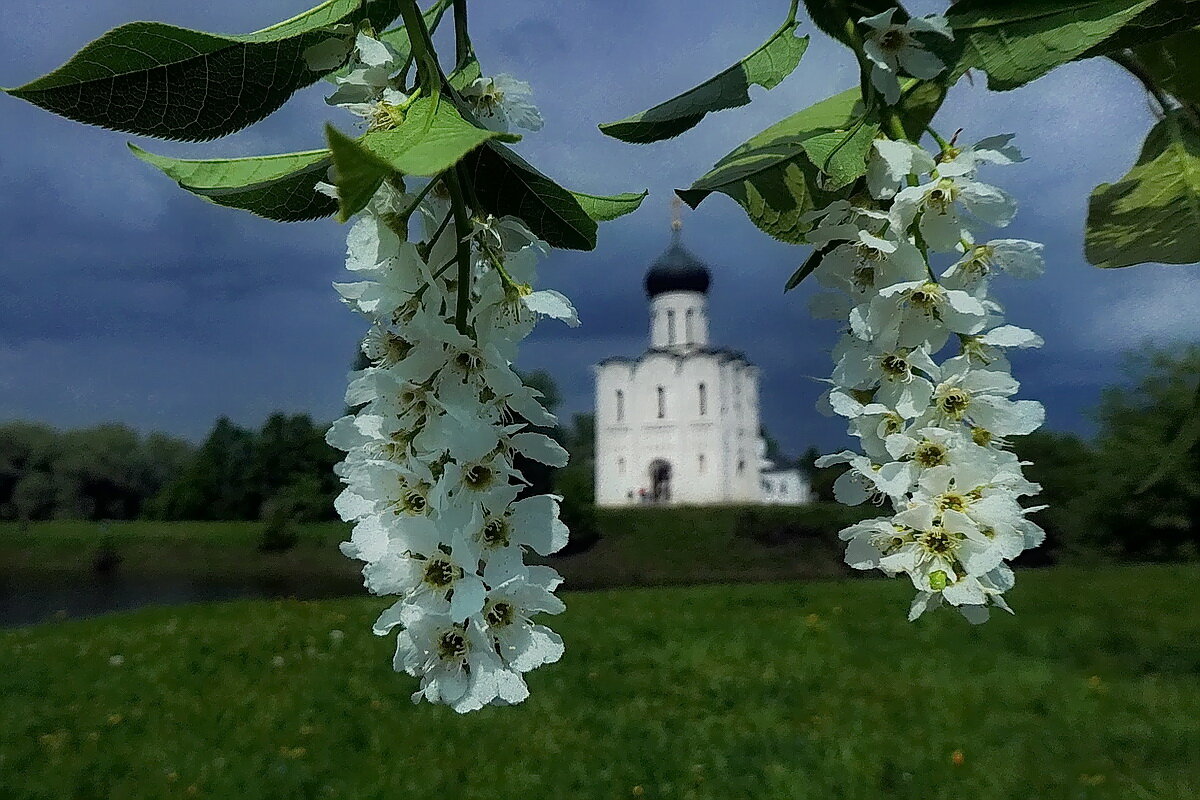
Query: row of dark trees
112	472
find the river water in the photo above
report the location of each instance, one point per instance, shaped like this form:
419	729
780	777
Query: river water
24	601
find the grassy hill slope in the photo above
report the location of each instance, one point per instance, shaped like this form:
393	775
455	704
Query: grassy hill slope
816	690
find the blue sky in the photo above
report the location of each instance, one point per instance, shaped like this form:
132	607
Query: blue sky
123	298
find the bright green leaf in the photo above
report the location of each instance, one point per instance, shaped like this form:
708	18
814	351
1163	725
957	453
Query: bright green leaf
278	187
604	208
841	155
506	184
766	67
1016	41
158	80
1152	214
357	172
771	176
432	138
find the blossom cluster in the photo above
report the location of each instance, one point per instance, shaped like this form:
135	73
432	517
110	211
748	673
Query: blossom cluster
430	474
921	374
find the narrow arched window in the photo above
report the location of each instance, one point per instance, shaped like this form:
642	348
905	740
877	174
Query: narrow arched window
670	326
662	403
620	405
620	466
703	399
688	332
702	462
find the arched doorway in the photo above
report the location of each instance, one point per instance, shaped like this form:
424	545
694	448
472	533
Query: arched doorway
660	481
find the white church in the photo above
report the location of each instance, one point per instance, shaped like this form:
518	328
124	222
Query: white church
679	424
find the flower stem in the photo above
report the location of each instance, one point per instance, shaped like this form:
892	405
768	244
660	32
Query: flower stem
461	230
462	39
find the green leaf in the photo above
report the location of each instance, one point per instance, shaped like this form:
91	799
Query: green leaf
841	155
431	139
278	187
1016	41
158	80
465	75
771	175
1152	214
809	266
506	184
1174	63
1160	21
604	208
767	67
357	172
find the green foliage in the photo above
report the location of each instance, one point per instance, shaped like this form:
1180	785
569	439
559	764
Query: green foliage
158	80
1140	437
604	208
357	173
398	37
507	184
767	66
279	187
280	532
105	472
1174	64
1163	19
1152	213
774	177
1016	41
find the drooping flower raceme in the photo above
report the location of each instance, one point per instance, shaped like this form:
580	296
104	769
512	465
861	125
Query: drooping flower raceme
430	477
933	433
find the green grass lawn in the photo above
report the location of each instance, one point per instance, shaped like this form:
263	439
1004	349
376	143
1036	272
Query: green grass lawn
816	690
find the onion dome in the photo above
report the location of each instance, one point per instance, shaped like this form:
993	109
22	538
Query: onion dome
677	270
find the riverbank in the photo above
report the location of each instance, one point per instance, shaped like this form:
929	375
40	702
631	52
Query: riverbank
641	546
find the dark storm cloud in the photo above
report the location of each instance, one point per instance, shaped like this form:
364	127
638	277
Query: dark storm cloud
124	298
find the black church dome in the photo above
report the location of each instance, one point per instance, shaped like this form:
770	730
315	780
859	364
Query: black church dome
677	270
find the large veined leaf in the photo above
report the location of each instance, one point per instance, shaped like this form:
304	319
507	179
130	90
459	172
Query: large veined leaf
766	67
773	175
1016	41
605	208
279	187
1174	63
432	137
507	184
1152	214
1161	20
158	80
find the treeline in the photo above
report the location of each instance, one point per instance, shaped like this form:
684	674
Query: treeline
112	472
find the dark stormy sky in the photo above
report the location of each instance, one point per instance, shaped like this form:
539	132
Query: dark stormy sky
123	298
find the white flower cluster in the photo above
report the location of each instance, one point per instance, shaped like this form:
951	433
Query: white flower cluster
429	475
932	434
